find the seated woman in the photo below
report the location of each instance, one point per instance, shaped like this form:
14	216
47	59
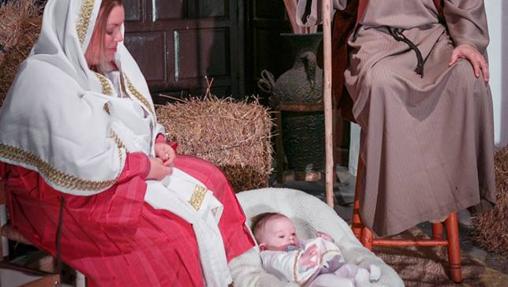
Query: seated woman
419	82
79	131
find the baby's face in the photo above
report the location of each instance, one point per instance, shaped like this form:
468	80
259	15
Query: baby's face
278	234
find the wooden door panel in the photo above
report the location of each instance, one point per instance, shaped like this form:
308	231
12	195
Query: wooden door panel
209	8
170	9
177	42
148	48
200	52
133	10
268	10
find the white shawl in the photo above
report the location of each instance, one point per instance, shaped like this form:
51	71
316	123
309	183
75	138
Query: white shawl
66	122
53	120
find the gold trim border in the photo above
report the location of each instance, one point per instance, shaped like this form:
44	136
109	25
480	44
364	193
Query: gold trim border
51	173
118	141
198	195
84	19
138	95
106	87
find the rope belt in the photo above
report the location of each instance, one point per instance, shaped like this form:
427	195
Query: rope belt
399	36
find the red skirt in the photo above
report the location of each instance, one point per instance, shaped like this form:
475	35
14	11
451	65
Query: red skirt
114	237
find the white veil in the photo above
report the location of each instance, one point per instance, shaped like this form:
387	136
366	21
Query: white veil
54	119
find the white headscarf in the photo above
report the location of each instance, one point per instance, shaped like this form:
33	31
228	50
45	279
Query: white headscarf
55	119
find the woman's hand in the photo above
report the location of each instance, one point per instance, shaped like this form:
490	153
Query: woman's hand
165	152
466	51
158	170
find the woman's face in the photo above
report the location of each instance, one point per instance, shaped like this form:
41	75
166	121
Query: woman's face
96	52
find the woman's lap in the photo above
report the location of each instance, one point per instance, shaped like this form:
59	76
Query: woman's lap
160	248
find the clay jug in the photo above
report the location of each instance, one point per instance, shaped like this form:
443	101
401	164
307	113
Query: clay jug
303	132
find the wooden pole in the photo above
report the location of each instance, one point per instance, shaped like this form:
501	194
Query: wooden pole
327	98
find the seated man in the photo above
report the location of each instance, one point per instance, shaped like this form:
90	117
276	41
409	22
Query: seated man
419	83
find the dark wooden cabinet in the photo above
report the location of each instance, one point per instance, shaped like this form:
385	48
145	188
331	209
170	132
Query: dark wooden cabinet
178	42
264	46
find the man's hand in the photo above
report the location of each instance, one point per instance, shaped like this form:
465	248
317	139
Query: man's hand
165	153
474	57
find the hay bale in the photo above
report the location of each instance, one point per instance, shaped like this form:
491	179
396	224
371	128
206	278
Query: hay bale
20	24
233	135
491	228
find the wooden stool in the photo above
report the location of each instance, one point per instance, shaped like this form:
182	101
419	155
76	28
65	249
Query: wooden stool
365	235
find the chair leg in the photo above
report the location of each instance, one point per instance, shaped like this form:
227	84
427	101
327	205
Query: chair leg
356	224
80	279
367	238
437	231
452	232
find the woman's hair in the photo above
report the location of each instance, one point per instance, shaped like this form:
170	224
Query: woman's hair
101	23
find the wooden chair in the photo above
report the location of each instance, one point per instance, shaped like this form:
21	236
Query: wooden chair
366	237
7	233
343	24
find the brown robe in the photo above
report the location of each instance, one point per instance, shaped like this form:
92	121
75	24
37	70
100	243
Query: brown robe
427	142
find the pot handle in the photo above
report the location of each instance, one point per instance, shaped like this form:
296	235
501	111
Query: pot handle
310	63
267	82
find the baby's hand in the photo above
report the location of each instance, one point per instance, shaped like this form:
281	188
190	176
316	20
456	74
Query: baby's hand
325	236
375	273
310	257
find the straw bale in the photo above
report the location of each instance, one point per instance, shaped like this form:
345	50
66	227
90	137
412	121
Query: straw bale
20	23
491	228
233	135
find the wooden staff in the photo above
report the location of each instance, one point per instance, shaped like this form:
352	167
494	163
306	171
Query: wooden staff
327	97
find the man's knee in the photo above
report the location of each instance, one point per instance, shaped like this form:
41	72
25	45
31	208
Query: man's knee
463	72
380	82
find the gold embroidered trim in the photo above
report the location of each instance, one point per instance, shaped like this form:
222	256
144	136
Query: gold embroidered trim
119	143
138	95
84	19
106	87
198	195
52	174
117	140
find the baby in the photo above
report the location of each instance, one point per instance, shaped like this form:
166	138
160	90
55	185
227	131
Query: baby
313	263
